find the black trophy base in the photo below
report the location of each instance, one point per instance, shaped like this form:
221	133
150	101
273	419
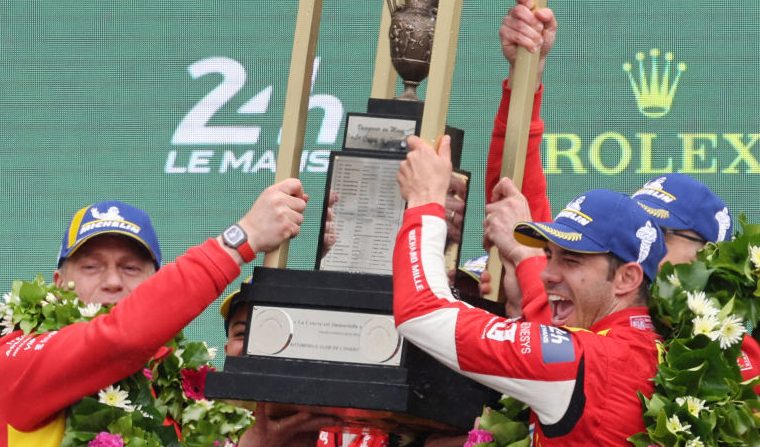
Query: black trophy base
419	395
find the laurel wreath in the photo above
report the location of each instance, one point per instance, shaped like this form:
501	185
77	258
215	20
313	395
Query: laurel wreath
162	405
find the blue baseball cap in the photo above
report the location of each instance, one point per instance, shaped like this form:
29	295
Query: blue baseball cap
680	202
110	217
474	267
601	221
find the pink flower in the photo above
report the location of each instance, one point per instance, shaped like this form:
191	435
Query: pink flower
194	382
477	436
105	439
148	373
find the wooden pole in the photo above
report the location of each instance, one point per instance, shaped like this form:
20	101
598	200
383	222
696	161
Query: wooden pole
523	83
442	61
296	105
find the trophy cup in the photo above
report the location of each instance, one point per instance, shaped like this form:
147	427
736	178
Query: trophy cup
325	340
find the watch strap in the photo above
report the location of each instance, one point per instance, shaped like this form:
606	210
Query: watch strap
246	252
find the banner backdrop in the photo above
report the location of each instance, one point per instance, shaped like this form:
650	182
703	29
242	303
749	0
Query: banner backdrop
176	107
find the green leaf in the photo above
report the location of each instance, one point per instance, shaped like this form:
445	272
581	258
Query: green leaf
31	293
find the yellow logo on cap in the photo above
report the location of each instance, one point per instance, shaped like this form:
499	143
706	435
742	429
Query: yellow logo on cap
654	91
656	212
566	235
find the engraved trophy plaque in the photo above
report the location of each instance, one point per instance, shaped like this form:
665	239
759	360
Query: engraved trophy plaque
325	340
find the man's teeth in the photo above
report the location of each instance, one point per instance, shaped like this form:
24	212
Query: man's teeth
555	298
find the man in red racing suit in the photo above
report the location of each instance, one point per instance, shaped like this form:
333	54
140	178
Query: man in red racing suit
581	382
43	374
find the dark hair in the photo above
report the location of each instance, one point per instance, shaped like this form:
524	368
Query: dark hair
614	263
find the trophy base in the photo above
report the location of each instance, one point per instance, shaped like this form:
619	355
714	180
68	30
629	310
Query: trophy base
416	395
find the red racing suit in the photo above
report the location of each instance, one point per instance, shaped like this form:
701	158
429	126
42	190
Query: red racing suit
535	306
44	374
580	384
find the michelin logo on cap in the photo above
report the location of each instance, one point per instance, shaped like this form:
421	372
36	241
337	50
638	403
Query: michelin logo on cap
656	189
109	219
648	236
723	217
573	212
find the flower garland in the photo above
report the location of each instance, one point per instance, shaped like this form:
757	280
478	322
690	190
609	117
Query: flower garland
703	310
162	405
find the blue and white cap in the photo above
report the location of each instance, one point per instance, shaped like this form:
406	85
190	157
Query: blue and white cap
110	217
475	267
680	202
601	221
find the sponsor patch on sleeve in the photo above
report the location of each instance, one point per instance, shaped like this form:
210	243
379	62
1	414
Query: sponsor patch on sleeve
745	364
556	345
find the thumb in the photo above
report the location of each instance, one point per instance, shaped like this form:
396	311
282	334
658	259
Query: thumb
415	143
444	148
505	188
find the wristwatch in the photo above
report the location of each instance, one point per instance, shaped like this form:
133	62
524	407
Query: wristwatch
236	238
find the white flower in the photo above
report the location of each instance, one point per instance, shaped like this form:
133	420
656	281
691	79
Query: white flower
50	298
694	443
699	304
730	332
6	324
673	279
206	404
705	325
212	352
10	298
754	256
139	408
674	425
115	397
90	310
693	404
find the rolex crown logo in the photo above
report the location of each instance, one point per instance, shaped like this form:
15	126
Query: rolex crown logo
654	91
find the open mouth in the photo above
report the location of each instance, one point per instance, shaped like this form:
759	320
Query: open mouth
562	308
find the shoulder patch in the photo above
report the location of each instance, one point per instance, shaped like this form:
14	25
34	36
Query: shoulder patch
556	345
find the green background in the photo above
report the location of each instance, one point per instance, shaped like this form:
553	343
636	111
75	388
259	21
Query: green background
93	92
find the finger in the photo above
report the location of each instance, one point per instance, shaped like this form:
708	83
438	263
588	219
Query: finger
526	3
290	186
485	289
523	15
295	217
295	203
415	143
333	198
505	188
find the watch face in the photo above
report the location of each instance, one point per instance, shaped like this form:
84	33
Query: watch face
234	236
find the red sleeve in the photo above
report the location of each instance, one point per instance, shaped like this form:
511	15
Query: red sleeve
43	374
534	363
534	181
749	360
